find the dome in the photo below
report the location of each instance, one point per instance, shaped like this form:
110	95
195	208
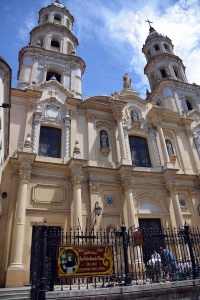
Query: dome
58	3
152	34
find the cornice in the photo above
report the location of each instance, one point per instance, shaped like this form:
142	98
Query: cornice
54	8
161	57
49	25
173	84
66	58
27	93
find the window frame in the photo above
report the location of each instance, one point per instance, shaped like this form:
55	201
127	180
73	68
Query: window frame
138	147
53	128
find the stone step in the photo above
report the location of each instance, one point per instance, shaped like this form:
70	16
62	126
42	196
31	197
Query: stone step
15	293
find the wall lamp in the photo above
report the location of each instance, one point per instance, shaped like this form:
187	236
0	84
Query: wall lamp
97	212
6	105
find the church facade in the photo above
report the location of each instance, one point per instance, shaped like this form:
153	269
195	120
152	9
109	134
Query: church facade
137	160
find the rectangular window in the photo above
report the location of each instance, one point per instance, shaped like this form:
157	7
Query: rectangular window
139	151
50	142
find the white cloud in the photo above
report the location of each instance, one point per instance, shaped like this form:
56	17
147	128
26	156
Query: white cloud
26	26
119	23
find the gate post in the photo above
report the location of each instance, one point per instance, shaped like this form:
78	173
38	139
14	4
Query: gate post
42	282
188	240
125	237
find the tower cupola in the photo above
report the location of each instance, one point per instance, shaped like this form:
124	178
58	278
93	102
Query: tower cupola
52	51
161	61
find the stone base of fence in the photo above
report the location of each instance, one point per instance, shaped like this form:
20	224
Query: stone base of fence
183	290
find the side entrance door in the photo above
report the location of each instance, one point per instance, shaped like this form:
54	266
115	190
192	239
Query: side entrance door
153	237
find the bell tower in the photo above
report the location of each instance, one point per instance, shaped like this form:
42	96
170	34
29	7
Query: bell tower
51	53
165	72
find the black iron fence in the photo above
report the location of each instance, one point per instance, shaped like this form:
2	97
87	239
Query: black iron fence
140	257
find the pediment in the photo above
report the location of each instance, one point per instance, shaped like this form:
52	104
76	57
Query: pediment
53	84
195	113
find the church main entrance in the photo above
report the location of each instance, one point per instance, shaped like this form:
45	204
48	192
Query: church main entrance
153	237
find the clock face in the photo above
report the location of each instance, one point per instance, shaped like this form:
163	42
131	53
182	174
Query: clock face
109	200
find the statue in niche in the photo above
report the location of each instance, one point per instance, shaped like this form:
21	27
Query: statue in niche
169	147
104	139
126	81
134	116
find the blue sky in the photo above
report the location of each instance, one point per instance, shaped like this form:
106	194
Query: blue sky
111	35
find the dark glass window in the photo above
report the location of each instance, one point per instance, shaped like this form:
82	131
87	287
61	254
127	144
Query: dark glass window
139	151
163	73
156	47
50	142
55	44
189	106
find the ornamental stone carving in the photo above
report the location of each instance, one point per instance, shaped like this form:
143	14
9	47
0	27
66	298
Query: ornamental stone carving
94	187
77	181
172	186
192	192
24	176
127	185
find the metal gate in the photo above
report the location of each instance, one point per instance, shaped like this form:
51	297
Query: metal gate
132	256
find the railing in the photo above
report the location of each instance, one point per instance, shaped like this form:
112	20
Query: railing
157	256
55	49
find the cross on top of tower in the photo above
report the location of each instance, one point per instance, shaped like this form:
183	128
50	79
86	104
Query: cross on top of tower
149	22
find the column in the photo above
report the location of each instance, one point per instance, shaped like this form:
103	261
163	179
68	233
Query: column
77	202
167	163
15	272
127	186
173	189
118	115
35	135
76	165
73	114
91	138
194	153
67	135
195	202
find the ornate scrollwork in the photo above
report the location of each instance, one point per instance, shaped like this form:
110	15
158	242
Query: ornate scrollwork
172	186
127	185
77	181
94	187
24	176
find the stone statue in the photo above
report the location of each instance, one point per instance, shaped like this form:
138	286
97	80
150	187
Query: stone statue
147	92
169	147
126	82
134	116
104	139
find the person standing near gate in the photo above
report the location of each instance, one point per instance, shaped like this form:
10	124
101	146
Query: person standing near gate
170	262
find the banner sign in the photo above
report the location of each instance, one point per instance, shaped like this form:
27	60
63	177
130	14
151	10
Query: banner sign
85	261
138	238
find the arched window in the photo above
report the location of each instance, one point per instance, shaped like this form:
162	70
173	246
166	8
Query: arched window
166	47
189	106
104	142
53	76
156	47
163	73
50	142
139	151
55	44
57	19
148	53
